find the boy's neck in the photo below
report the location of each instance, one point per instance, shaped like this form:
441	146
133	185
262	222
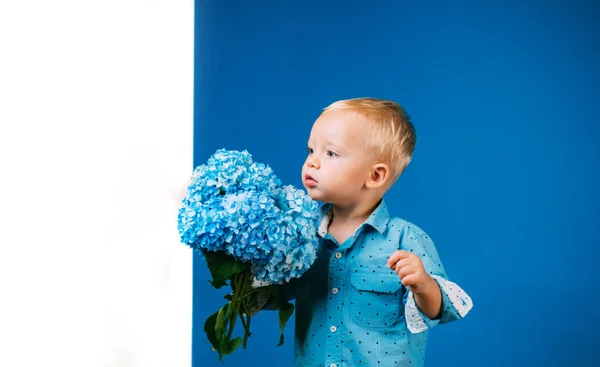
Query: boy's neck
353	215
346	220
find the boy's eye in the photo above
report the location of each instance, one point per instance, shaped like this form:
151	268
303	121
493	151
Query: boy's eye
310	150
331	154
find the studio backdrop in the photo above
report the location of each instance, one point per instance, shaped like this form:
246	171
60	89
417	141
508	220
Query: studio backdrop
504	98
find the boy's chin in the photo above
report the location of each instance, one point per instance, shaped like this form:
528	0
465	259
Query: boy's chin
315	194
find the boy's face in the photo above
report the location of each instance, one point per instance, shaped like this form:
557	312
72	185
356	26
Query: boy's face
337	166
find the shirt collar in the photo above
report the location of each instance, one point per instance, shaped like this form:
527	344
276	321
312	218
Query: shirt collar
378	219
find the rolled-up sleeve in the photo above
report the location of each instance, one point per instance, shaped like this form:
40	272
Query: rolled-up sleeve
456	303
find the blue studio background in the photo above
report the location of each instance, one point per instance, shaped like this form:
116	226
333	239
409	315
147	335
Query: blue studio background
504	97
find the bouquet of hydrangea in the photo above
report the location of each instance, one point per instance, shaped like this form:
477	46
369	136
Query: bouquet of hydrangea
250	229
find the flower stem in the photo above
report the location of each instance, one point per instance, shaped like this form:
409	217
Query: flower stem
251	292
246	324
246	283
240	284
234	310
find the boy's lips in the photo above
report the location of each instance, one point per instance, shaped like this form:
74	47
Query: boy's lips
310	181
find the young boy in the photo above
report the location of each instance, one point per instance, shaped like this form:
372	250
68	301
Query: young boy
377	285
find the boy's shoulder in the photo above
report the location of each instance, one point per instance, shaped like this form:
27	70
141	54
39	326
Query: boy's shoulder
410	234
406	227
413	238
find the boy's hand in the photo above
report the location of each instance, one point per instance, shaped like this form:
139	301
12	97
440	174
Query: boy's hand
409	268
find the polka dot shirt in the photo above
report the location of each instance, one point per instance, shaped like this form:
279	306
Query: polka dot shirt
351	310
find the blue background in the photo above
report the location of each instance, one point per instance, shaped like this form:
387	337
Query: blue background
504	97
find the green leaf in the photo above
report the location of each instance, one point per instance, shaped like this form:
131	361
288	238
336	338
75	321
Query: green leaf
209	329
232	345
215	327
228	297
251	300
271	289
222	266
285	312
229	347
221	323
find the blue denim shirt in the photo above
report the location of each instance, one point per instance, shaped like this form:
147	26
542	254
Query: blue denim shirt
351	310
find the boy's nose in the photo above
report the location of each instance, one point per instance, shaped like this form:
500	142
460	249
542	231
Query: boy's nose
313	162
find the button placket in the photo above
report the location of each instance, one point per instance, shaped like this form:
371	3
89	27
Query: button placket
334	306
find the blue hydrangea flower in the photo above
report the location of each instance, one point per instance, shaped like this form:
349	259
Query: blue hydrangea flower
239	206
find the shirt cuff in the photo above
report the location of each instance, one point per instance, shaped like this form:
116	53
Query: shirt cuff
416	321
259	283
458	299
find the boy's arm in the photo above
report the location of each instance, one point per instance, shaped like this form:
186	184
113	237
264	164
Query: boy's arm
419	267
410	269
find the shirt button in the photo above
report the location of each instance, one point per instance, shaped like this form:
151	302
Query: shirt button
333	329
338	255
335	291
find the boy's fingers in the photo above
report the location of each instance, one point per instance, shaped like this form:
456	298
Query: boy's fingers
401	264
405	271
409	280
397	256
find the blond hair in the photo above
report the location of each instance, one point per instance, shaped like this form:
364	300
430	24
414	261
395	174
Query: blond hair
392	137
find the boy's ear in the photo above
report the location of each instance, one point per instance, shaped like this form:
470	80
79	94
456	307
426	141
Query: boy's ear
379	176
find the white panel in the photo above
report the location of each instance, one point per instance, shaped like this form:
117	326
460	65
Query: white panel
96	149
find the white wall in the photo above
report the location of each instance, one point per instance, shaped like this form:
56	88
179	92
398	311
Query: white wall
95	152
